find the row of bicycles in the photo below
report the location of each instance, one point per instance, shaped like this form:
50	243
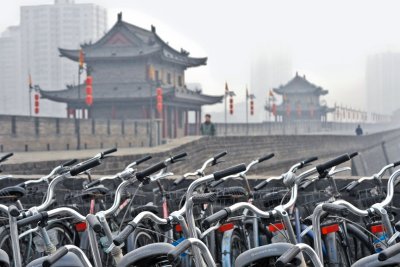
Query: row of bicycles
199	219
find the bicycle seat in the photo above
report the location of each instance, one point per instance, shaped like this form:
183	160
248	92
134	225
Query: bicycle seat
96	192
69	260
148	207
4	259
12	192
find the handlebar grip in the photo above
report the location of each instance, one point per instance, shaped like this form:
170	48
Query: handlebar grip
261	185
33	219
389	252
179	156
216	183
204	198
397	226
77	169
397	163
143	159
179	180
123	235
150	170
69	163
329	164
178	250
229	171
352	185
93	221
309	160
335	209
93	183
6	156
218	216
352	155
109	151
51	259
13	211
220	155
288	256
266	157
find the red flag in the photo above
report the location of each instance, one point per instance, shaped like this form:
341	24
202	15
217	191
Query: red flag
274	109
81	59
30	82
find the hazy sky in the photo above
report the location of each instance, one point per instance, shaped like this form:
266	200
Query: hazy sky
328	40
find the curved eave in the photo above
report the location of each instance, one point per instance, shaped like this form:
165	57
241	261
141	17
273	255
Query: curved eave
69	53
197	98
282	91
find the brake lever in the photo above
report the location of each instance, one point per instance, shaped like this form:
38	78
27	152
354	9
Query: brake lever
178	160
217	162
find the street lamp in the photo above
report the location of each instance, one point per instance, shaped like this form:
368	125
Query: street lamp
250	97
228	93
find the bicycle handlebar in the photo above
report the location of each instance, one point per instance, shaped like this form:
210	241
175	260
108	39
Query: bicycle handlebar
51	259
321	168
266	157
33	219
94	222
288	256
91	163
6	156
150	170
229	171
389	252
69	163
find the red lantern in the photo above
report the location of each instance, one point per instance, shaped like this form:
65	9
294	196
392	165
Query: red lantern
36	104
231	105
251	107
89	100
89	90
159	100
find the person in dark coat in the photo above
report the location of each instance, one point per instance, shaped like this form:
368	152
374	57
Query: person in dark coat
207	128
359	130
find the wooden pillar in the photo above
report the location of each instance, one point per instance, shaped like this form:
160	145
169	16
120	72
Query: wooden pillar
68	113
186	122
198	122
164	122
74	113
175	122
83	113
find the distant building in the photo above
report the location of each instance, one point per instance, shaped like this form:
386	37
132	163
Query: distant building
269	67
11	100
127	65
44	28
300	101
383	83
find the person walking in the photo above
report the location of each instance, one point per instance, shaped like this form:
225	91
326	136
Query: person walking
207	128
359	130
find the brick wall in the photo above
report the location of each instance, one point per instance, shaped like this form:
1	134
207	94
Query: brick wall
376	150
21	133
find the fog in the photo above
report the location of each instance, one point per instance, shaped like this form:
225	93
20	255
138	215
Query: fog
328	41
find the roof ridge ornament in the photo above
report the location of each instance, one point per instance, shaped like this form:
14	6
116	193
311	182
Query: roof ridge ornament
119	16
153	29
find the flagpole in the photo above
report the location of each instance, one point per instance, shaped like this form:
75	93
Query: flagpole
30	102
247	112
225	112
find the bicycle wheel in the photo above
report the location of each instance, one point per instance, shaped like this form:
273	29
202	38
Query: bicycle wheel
142	238
27	248
238	246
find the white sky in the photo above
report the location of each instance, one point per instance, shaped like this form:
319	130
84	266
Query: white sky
328	40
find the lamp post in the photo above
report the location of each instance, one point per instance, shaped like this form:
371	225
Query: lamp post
250	97
227	94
